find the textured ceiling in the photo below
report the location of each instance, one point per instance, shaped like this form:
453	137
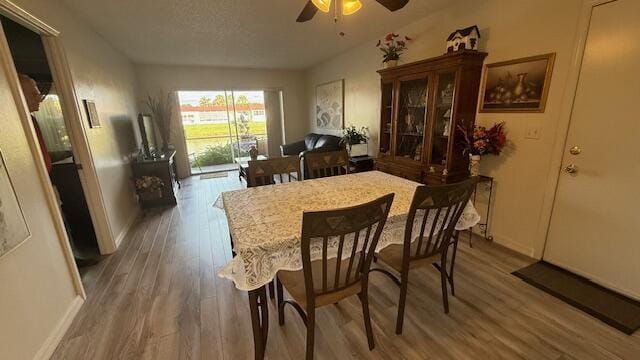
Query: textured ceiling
238	33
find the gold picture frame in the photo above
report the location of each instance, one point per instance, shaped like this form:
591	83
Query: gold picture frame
516	86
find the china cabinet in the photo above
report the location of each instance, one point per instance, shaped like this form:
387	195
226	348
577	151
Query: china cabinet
423	104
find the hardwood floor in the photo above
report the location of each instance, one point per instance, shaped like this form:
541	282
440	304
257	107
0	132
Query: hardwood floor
159	297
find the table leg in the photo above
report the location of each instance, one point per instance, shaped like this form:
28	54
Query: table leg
475	193
486	229
259	307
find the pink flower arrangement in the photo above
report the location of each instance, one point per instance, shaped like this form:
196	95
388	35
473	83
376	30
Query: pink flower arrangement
394	45
482	141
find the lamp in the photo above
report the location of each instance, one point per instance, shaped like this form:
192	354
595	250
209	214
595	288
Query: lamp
350	7
322	5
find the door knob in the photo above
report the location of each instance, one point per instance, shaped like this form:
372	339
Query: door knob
571	169
576	150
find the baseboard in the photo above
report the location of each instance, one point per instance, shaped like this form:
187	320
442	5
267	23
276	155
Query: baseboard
127	228
53	340
510	244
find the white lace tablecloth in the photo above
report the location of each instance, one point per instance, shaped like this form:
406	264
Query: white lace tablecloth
265	222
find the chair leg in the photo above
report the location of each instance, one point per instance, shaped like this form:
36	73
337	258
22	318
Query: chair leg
233	253
272	291
404	284
444	280
311	324
364	299
453	262
280	302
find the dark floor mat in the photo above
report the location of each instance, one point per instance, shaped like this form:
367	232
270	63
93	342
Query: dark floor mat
606	305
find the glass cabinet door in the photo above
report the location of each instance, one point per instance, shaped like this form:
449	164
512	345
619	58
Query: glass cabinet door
412	112
442	129
386	118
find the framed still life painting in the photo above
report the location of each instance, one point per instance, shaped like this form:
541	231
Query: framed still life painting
330	105
13	226
520	85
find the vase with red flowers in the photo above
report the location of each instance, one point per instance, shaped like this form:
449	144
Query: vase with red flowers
392	47
480	141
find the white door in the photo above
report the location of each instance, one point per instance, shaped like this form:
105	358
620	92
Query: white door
595	226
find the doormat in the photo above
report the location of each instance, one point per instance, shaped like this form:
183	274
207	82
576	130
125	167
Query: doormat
608	306
221	174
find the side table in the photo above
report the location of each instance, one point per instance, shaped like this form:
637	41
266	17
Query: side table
360	164
484	226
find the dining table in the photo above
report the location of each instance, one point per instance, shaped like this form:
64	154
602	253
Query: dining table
265	224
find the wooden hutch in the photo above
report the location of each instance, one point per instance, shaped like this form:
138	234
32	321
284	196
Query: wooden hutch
423	104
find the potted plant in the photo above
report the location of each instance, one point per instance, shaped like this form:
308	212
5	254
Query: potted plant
356	140
480	141
149	187
161	109
392	47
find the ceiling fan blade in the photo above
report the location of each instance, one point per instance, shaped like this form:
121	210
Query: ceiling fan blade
393	5
308	12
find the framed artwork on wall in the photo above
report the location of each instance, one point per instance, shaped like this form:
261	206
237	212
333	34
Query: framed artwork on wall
13	226
92	113
519	85
330	105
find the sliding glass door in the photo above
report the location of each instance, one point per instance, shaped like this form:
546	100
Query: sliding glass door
222	126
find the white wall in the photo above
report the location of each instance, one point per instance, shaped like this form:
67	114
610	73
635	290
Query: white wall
153	78
510	29
37	295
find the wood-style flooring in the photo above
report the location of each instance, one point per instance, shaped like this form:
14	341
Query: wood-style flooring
158	297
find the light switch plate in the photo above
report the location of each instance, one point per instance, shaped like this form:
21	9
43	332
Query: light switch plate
533	132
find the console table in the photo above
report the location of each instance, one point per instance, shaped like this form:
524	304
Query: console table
163	167
484	226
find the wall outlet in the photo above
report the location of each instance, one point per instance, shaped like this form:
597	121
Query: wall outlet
533	132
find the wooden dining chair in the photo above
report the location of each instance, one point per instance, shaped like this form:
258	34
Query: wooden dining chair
337	247
268	172
271	171
434	213
326	164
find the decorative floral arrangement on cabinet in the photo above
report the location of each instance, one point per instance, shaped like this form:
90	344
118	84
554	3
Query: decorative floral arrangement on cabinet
480	141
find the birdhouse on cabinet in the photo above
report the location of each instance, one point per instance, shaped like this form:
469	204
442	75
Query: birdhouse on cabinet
463	39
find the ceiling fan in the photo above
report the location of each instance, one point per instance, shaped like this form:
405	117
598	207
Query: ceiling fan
348	7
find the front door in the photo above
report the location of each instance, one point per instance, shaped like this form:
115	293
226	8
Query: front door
595	226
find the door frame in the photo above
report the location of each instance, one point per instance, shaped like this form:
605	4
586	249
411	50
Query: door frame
564	123
73	121
60	71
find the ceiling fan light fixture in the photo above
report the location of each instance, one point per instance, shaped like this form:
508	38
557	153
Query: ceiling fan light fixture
322	5
350	7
